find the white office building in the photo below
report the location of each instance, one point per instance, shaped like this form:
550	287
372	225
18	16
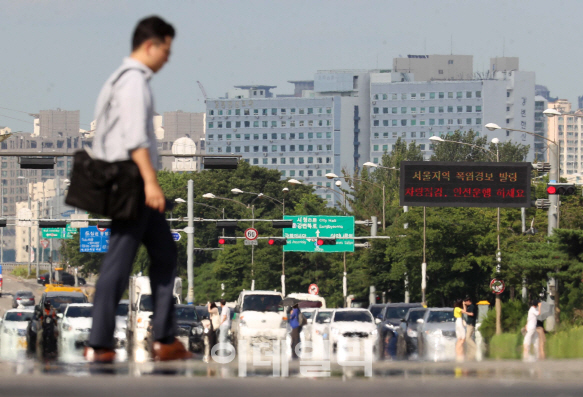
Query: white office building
354	116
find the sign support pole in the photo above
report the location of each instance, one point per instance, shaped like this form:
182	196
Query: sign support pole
190	243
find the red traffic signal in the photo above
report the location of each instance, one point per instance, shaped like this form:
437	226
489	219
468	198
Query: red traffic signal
227	240
326	241
277	241
563	189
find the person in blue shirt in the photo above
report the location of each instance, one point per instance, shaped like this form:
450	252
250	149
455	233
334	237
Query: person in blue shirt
294	323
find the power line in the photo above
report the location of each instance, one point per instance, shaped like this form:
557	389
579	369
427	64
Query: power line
14	118
19	111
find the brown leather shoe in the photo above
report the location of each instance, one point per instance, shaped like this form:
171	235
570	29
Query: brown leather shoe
102	356
168	352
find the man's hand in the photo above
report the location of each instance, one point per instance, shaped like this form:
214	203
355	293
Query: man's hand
155	196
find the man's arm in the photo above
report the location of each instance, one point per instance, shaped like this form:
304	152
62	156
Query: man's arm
154	194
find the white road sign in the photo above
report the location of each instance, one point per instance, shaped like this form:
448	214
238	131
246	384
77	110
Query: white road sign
251	234
250	242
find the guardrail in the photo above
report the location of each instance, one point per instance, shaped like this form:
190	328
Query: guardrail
8	267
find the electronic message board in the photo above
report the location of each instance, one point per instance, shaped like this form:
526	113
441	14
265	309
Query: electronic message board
448	184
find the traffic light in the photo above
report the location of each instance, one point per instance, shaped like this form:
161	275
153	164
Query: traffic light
36	163
326	241
198	251
44	224
282	224
562	189
227	240
277	241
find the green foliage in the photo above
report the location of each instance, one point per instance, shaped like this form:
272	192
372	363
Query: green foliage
567	343
512	318
506	346
22	271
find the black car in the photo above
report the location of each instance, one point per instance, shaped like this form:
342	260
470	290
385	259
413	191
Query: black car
376	309
67	279
391	317
189	329
36	340
407	333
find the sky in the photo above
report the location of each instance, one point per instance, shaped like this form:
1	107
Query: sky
58	53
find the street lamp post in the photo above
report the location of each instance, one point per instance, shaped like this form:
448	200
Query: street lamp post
498	304
27	179
554	208
334	176
282	203
212	196
337	183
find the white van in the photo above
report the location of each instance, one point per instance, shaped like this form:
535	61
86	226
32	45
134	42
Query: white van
258	317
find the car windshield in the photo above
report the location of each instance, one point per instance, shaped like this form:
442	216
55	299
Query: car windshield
24	294
375	310
415	315
309	304
440	317
18	316
202	312
308	314
353	316
323	317
186	313
122	310
262	303
79	311
61	302
396	312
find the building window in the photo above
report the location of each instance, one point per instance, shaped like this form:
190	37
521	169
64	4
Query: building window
432	95
404	123
478	109
478	94
432	109
440	71
450	62
468	94
469	109
255	161
394	110
450	95
375	148
376	123
375	110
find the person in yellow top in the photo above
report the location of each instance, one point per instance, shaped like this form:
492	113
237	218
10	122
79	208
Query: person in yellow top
460	330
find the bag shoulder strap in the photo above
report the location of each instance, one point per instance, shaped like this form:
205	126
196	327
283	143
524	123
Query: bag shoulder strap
107	106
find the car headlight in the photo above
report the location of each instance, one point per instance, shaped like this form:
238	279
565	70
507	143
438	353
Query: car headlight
374	332
435	332
242	323
142	323
196	330
283	324
411	333
335	331
67	327
390	326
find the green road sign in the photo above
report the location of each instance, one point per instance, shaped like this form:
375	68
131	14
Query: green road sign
58	232
312	227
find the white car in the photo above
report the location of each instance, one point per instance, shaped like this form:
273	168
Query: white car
121	323
13	332
75	326
348	326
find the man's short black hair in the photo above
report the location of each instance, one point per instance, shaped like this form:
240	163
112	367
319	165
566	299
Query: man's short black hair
223	302
152	27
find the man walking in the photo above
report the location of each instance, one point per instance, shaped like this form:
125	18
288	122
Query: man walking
225	325
125	131
470	311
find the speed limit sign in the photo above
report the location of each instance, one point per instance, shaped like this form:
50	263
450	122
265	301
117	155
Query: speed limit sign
251	234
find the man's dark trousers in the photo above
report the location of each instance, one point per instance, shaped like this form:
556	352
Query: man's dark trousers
152	230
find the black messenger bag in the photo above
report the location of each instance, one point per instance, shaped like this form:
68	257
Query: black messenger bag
113	189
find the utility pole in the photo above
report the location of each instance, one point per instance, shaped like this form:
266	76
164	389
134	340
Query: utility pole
424	264
37	238
190	243
554	176
406	226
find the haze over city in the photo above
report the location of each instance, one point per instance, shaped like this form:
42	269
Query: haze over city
57	54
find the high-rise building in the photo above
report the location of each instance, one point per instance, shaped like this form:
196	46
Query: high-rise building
354	116
540	128
566	130
58	123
